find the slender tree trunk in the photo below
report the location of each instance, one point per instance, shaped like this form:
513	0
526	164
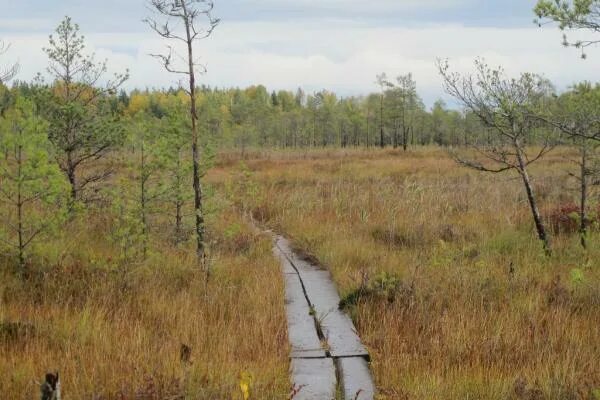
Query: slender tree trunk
72	177
287	134
178	202
381	143
178	222
20	210
200	229
395	133
584	193
539	224
314	131
404	127
368	127
143	201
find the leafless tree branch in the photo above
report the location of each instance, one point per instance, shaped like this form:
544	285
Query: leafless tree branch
10	72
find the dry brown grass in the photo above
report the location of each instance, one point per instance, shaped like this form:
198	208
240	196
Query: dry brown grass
461	301
115	332
438	265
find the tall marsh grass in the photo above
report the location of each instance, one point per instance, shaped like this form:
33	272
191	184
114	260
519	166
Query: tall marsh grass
443	274
117	331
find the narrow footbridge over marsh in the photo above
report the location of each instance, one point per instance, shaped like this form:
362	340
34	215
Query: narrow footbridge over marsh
328	359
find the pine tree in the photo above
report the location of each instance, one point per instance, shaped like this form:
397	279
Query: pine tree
32	187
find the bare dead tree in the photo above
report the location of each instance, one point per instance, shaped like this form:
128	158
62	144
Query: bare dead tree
7	73
197	23
508	107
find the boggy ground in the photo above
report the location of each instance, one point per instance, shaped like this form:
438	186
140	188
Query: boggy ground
440	268
115	330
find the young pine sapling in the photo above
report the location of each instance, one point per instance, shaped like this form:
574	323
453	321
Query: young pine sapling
32	187
510	109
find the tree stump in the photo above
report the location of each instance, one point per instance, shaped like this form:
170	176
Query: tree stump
50	389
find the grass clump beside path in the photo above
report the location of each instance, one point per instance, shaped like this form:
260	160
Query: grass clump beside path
441	270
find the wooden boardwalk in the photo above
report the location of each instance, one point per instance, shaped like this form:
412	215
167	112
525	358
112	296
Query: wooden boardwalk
327	355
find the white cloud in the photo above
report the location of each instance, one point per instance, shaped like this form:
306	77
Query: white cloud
25	24
364	6
336	55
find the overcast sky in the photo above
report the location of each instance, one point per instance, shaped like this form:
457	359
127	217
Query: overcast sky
339	45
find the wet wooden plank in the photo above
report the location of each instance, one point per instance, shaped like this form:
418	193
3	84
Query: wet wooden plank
302	333
286	249
356	379
313	369
338	329
315	378
286	265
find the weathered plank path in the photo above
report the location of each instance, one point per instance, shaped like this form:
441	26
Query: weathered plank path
328	358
